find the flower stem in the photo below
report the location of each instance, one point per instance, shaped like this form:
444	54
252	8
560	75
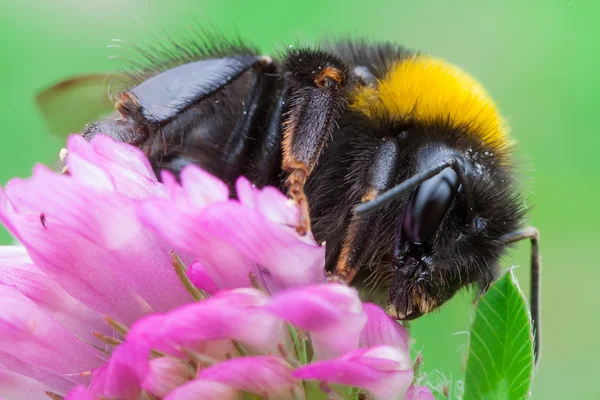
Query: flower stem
303	351
299	345
180	270
417	368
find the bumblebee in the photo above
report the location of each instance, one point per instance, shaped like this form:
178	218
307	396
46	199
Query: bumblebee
398	161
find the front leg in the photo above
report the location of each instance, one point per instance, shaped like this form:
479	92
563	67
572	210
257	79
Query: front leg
359	238
319	86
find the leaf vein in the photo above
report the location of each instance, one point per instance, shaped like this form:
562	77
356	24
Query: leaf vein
485	346
516	336
525	367
484	301
483	370
499	291
482	315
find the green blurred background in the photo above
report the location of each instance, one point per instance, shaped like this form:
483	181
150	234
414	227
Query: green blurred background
539	59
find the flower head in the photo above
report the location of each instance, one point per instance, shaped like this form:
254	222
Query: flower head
253	313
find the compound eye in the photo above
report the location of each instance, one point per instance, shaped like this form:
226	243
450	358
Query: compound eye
428	206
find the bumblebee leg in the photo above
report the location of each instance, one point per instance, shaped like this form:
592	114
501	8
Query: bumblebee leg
240	140
357	243
124	129
319	86
359	238
536	269
265	167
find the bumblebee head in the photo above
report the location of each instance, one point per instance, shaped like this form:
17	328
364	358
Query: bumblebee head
449	230
449	224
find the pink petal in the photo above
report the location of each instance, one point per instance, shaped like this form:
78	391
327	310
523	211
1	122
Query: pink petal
205	390
223	264
165	375
93	246
236	314
76	264
33	342
79	393
232	239
199	277
202	188
381	328
57	383
174	191
16	386
115	152
384	371
268	201
262	375
332	313
125	166
17	270
84	166
122	376
419	393
282	255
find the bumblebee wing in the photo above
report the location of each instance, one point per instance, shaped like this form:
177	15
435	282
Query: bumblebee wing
69	105
165	95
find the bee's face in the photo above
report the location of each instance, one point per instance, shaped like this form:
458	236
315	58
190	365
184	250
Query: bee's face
442	247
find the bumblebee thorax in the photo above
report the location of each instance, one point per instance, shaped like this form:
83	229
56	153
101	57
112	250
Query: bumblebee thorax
428	91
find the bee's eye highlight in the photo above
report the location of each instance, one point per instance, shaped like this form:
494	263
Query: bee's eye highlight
428	205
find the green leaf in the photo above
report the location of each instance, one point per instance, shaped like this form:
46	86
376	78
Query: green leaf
500	362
